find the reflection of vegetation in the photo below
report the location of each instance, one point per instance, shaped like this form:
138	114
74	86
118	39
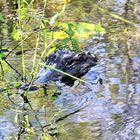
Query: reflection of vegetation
34	30
116	16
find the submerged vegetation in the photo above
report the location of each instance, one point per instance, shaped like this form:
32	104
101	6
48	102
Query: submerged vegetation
35	30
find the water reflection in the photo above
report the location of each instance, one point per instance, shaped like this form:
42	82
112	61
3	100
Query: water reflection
104	111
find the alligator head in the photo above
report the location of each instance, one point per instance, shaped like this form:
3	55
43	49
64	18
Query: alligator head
76	64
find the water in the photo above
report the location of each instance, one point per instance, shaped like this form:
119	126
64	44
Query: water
93	111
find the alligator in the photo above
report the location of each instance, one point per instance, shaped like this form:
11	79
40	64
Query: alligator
73	63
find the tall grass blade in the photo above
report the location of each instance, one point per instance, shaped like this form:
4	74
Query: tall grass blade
57	70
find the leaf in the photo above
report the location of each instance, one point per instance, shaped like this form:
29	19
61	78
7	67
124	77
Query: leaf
54	97
27	138
2	55
46	137
64	41
4	49
17	84
44	20
30	130
70	31
50	51
99	29
82	26
16	34
27	121
1	18
58	35
75	44
80	30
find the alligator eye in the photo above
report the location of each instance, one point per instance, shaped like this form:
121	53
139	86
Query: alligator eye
70	62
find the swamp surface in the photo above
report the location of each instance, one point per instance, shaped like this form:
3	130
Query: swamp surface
107	110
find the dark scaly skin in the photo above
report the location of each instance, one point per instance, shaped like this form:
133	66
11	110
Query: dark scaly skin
76	64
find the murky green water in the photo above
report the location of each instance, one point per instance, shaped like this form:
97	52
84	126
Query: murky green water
107	111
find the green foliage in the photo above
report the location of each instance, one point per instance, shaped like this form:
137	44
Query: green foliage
17	34
71	33
25	20
2	56
75	44
55	96
64	42
23	9
70	41
80	30
50	51
46	137
9	88
99	29
16	84
1	18
4	49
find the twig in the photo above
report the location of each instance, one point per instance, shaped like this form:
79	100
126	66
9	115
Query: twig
2	71
13	68
21	42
